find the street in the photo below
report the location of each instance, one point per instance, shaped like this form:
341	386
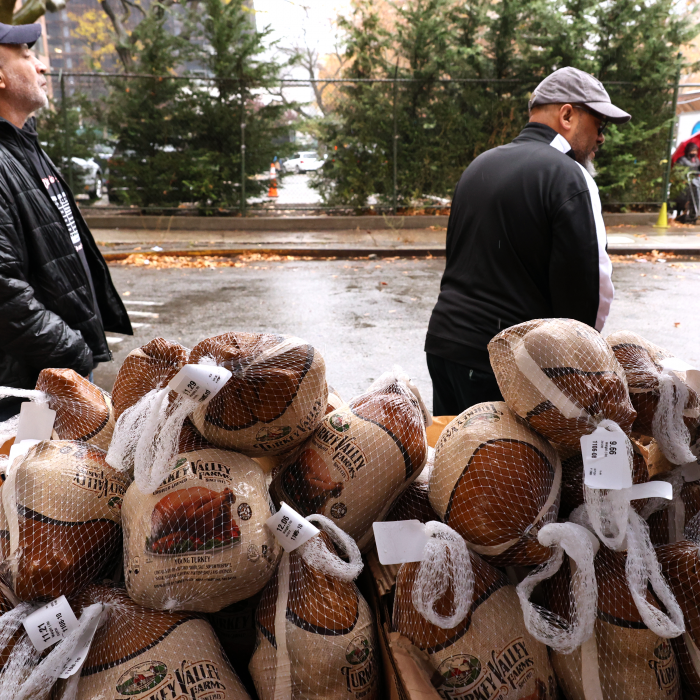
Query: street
365	315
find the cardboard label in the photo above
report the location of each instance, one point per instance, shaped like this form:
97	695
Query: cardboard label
77	658
35	422
400	542
290	528
606	459
50	623
200	382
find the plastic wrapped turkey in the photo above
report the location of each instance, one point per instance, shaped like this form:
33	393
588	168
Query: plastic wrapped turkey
360	458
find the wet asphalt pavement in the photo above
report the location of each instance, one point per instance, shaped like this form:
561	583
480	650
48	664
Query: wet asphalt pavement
366	315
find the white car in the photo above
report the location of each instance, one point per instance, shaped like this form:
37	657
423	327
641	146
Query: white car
303	162
87	177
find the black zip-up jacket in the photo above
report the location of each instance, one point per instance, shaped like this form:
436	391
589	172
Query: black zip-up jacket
525	240
47	313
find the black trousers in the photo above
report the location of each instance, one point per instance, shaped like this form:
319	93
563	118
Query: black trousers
457	388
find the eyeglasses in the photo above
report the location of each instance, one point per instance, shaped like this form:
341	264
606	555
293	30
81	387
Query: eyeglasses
604	122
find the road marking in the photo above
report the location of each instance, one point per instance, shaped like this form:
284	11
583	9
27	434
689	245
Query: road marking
140	325
113	341
144	314
144	303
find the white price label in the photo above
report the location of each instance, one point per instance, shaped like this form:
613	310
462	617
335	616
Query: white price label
35	422
82	647
200	382
290	528
606	460
50	623
400	542
692	374
650	489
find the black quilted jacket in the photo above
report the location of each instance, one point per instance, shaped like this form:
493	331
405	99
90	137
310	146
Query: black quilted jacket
47	315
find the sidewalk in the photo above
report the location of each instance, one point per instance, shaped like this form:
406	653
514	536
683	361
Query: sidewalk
117	244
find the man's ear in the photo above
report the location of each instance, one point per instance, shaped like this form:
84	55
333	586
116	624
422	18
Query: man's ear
566	113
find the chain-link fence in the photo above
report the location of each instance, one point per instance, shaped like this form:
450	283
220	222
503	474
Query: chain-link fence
221	147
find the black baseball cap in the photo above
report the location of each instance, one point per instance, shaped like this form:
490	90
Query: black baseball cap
20	34
577	87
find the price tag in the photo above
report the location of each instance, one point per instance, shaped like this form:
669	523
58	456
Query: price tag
290	528
692	374
400	542
50	623
82	647
650	489
35	422
606	460
200	382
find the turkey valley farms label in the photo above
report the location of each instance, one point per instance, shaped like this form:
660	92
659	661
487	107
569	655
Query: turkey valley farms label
98	483
360	675
665	668
152	680
469	678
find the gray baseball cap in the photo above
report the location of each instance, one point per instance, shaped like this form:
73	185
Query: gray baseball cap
20	34
577	87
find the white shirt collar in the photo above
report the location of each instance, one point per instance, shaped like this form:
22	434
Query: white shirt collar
560	143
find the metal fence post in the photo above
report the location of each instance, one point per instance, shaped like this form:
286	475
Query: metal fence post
671	133
66	137
243	203
395	141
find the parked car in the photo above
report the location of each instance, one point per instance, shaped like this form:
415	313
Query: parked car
87	177
303	162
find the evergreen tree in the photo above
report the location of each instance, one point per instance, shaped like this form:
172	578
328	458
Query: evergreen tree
146	119
229	48
70	129
442	126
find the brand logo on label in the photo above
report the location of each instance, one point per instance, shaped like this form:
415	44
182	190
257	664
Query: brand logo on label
459	670
500	674
665	668
269	433
339	421
347	457
485	413
192	681
200	469
273	437
95	480
141	678
339	510
358	650
360	675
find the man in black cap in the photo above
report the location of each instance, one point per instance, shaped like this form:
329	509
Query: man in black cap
525	238
56	294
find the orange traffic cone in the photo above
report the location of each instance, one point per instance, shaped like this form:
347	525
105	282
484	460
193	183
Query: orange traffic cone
272	191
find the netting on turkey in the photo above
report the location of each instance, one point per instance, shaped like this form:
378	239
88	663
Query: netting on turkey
360	458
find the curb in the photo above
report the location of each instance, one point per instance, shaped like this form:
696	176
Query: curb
296	252
322	253
301	224
295	224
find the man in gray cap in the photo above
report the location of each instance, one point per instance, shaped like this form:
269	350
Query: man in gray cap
525	238
56	294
